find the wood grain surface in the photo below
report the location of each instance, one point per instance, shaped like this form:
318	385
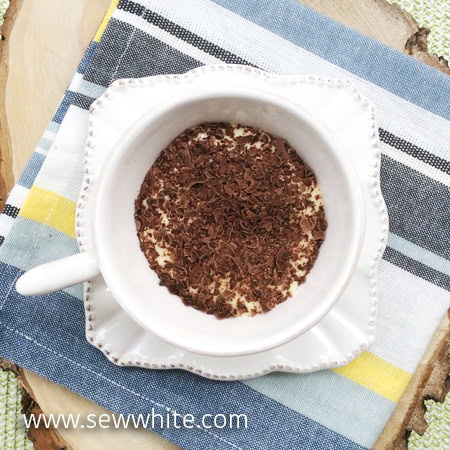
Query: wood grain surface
45	41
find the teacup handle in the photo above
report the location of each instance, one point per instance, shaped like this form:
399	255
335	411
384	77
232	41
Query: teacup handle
60	274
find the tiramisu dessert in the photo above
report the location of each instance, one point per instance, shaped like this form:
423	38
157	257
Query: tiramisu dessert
231	219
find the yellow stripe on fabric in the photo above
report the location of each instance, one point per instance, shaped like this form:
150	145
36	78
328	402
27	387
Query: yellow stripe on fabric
102	27
376	374
50	209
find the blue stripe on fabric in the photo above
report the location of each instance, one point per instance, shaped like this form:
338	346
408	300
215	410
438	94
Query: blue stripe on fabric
84	63
68	95
419	254
63	107
45	144
341	406
359	54
89	89
31	170
53	127
32	243
46	335
418	206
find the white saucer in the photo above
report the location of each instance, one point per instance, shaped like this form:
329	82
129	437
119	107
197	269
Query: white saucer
349	327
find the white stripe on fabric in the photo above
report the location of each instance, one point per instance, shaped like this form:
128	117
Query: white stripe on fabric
401	335
64	161
17	196
6	223
41	151
165	37
81	86
420	254
76	80
415	164
228	30
49	135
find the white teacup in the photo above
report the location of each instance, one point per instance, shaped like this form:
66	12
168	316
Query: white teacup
118	258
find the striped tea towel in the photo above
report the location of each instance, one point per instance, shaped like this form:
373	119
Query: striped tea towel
332	409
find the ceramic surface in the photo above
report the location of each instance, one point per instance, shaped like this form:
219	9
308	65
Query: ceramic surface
346	118
123	264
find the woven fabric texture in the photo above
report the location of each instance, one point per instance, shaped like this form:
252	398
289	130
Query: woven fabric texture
12	426
437	435
435	15
331	409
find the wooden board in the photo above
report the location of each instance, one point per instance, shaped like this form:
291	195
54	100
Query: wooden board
55	399
45	41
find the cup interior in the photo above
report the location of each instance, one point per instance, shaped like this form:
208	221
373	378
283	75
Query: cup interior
136	286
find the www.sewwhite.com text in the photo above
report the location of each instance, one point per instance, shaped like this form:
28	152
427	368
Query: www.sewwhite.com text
151	420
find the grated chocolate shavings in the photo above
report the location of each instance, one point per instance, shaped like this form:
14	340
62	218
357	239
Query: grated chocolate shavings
231	219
